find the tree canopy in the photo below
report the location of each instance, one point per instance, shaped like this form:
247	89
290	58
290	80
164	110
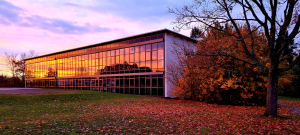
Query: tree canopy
279	21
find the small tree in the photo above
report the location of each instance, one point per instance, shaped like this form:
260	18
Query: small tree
17	66
10	62
278	20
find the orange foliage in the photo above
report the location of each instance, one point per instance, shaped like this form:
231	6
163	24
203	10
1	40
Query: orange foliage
218	77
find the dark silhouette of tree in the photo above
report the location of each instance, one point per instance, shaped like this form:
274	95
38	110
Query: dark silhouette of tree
278	20
9	62
17	66
195	32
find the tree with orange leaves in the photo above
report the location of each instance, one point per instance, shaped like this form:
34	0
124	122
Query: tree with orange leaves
212	77
279	20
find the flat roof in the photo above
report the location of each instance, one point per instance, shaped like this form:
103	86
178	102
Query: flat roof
117	40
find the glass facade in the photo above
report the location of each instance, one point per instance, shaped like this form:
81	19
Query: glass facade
132	67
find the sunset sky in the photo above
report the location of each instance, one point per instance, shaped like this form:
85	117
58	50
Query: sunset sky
47	26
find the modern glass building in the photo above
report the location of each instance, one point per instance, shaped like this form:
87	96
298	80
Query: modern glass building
131	65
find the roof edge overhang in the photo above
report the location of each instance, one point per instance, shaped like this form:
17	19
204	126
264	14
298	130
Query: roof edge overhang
117	40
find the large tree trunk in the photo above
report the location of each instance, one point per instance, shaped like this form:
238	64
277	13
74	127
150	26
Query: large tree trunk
271	106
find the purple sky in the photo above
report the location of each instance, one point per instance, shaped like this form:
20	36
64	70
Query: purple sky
48	26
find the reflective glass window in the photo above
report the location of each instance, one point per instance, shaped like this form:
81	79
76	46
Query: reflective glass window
154	46
112	53
148	64
126	58
160	54
112	60
153	37
154	66
148	56
143	48
132	49
121	59
93	62
160	45
108	61
160	65
142	56
148	47
104	62
131	58
100	61
154	55
126	50
117	59
137	49
148	38
121	51
136	57
160	36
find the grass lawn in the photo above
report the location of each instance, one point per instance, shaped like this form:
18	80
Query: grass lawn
91	112
288	98
292	102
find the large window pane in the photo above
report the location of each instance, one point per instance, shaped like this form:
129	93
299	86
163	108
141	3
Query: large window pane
117	59
154	46
121	59
154	66
131	58
137	49
142	56
142	64
112	53
121	51
154	55
148	81
126	58
148	56
160	65
160	54
143	48
104	62
148	64
126	50
132	49
93	62
153	37
97	62
160	45
101	61
112	60
148	47
136	57
108	61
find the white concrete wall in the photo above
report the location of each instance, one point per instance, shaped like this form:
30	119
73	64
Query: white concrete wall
170	58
